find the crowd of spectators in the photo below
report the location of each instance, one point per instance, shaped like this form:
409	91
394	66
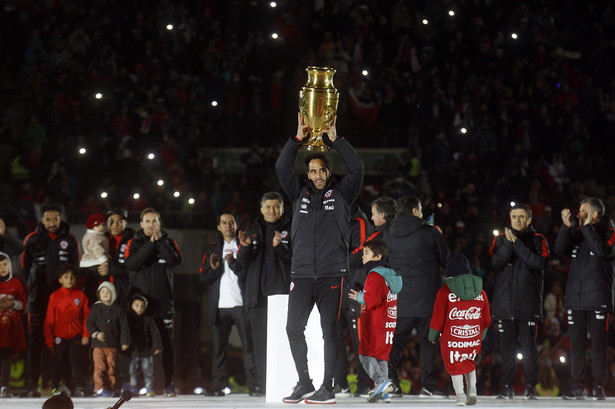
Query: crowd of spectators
492	102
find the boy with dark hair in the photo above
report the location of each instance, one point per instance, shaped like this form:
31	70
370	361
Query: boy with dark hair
109	328
12	339
378	301
461	314
146	343
65	332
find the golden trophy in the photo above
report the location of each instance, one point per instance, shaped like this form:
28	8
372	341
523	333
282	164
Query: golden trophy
318	104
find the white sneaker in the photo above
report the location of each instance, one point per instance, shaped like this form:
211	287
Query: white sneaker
461	399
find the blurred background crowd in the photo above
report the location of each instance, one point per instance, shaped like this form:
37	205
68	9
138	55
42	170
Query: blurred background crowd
126	103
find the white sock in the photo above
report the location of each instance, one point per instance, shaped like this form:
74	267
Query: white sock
458	384
471	382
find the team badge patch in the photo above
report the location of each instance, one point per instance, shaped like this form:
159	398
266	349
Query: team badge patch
64	244
329	193
284	234
292	285
77	301
123	247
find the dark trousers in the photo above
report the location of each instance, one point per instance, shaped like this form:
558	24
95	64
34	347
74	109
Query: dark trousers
403	330
579	322
220	331
326	294
37	350
515	333
68	363
348	324
165	328
258	321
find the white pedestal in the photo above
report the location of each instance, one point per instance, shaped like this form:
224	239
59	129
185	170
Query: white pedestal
281	372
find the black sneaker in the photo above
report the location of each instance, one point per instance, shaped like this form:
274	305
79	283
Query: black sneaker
506	392
396	393
341	391
598	393
427	392
256	392
530	392
300	392
322	395
78	392
577	392
362	392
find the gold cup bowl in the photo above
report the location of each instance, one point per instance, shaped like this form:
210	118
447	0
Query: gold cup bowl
318	104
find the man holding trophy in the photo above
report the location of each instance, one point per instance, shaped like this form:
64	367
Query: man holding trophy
319	232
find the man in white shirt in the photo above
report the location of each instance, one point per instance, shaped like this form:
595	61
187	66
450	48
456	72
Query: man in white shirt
221	270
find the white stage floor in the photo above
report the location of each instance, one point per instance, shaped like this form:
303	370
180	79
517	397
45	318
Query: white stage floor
245	402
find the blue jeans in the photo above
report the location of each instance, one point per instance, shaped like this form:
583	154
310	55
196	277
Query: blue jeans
147	366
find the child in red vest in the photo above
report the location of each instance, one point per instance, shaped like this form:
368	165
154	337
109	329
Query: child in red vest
378	317
12	339
461	314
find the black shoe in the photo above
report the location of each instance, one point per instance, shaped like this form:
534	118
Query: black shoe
341	391
217	393
78	392
300	392
598	393
361	392
32	393
427	392
396	392
506	392
322	395
577	392
530	392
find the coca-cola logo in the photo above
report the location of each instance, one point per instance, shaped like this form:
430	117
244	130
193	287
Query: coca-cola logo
391	297
466	331
472	313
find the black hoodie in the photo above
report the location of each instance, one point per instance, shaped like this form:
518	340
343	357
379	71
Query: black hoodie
416	252
144	334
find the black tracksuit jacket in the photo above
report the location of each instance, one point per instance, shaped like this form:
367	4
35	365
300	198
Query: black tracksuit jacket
42	256
590	281
319	233
520	275
267	268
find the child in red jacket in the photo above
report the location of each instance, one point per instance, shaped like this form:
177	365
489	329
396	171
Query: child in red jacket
461	314
65	332
378	317
12	339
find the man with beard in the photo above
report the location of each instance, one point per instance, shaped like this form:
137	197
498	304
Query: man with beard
46	249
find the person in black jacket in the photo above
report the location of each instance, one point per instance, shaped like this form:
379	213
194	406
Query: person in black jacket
46	249
8	244
226	275
151	257
146	343
519	256
417	251
319	236
265	256
589	290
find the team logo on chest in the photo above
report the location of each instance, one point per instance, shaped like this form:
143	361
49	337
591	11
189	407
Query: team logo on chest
77	301
329	193
284	234
63	244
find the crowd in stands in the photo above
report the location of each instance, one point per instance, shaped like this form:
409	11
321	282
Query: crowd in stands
492	102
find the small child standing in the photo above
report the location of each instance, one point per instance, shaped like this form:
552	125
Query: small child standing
65	332
109	328
12	339
378	317
461	314
146	343
95	252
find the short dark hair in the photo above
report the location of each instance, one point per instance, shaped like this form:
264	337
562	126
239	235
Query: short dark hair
218	217
51	207
386	205
313	156
595	204
61	401
148	210
378	247
3	257
272	196
523	206
119	211
65	268
406	204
